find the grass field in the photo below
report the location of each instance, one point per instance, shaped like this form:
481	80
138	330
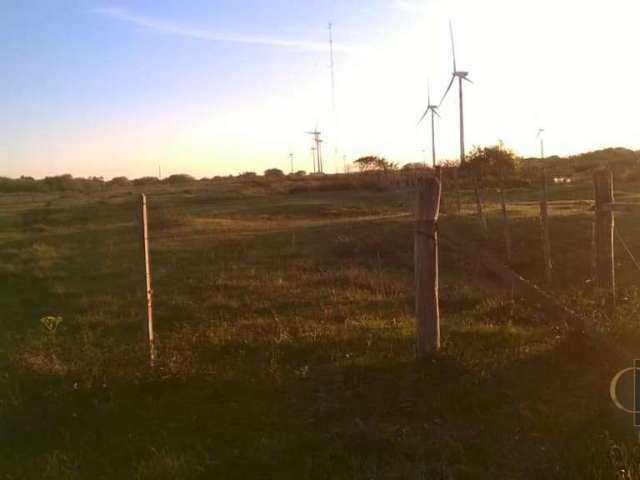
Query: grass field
284	325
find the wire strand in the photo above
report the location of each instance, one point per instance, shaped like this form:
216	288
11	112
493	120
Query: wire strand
626	247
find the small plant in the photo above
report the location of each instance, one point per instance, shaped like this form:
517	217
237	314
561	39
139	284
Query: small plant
51	323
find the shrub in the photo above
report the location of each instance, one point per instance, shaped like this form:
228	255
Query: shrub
273	173
371	162
179	178
119	182
146	181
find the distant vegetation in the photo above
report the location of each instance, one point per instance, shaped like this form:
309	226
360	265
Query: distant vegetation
496	160
369	163
488	163
624	162
274	173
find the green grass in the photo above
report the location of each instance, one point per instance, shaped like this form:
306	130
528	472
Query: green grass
285	341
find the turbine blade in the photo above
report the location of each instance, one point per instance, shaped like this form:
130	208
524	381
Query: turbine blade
435	112
453	77
428	92
423	115
453	45
470	81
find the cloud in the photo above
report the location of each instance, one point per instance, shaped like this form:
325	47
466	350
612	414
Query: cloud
181	30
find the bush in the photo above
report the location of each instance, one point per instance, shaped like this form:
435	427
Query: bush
496	160
22	184
179	178
146	181
371	162
119	182
274	173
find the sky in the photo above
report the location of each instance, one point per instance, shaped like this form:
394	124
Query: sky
218	87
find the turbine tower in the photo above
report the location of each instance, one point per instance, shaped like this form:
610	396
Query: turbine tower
541	138
313	156
460	75
434	111
316	137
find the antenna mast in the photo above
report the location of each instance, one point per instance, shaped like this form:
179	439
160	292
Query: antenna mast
332	65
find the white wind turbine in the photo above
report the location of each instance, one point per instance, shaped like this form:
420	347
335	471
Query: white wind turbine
434	111
460	75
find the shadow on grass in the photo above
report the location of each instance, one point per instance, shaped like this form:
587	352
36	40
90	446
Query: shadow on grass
543	416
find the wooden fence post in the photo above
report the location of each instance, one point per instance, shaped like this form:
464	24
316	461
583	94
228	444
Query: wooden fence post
544	225
456	187
147	273
604	225
481	217
594	261
505	222
426	265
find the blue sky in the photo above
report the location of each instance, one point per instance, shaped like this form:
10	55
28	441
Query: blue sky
217	87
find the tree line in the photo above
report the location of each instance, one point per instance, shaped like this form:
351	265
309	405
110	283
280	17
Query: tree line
483	162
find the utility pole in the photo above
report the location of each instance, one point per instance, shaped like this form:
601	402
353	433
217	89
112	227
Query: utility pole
318	150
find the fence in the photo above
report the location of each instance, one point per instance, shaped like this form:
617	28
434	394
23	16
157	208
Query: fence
433	198
428	187
602	246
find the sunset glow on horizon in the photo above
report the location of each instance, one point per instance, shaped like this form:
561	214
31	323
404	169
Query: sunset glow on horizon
215	88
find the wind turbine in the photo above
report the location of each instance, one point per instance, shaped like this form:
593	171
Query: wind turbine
460	75
434	111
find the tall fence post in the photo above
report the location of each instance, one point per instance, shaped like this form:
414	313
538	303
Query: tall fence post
479	210
505	222
426	265
544	226
604	225
456	187
147	273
